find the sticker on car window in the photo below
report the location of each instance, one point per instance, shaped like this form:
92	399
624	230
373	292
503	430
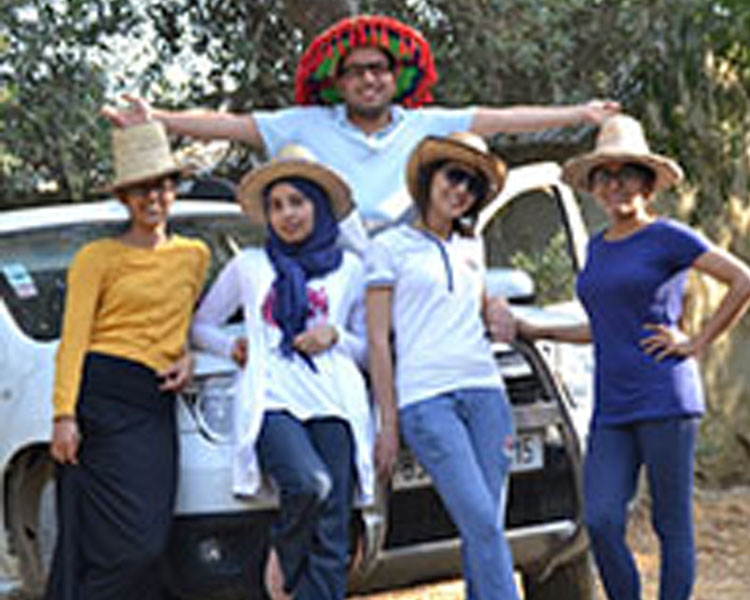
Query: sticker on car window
20	281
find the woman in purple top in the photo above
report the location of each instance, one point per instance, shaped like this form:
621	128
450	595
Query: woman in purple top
648	390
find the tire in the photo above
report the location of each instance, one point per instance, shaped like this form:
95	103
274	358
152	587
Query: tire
570	581
32	520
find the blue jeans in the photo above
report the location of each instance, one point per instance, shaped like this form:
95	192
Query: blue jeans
464	440
312	464
614	458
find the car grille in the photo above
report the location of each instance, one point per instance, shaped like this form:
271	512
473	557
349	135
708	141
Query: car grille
542	496
416	515
525	390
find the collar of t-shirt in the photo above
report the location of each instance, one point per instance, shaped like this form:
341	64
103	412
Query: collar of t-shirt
442	246
340	118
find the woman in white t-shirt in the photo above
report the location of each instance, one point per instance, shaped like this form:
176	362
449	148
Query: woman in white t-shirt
425	282
302	416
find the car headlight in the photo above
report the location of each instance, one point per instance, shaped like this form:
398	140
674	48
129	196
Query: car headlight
212	406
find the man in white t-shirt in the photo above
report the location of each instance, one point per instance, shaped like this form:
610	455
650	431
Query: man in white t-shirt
360	86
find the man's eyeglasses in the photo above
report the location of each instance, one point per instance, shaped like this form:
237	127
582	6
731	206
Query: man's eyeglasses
476	184
163	184
377	68
625	174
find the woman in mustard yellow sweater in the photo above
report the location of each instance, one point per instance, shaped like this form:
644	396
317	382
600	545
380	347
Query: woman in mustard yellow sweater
121	358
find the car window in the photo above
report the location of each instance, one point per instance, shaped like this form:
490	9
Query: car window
33	264
529	234
225	237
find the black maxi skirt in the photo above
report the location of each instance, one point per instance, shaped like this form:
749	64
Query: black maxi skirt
115	507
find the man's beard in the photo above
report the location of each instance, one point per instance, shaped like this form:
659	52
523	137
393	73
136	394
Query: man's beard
368	113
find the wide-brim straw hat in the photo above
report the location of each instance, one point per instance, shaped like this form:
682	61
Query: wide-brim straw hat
141	153
621	139
462	147
293	160
317	70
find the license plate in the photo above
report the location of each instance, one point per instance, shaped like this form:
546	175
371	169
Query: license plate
528	455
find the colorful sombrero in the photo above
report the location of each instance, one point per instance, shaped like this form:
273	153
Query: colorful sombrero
315	81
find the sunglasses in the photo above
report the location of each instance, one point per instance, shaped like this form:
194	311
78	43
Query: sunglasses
162	184
476	184
377	68
625	174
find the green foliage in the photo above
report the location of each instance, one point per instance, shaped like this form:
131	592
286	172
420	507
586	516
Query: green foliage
51	85
550	269
695	102
682	66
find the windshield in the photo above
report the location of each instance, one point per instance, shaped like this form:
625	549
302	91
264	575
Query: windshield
530	234
33	264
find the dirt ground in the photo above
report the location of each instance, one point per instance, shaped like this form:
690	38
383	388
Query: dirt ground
723	538
722	520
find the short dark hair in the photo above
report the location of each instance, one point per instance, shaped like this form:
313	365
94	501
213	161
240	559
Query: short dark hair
464	226
648	175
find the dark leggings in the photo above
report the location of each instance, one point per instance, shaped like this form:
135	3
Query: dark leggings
311	462
115	506
614	459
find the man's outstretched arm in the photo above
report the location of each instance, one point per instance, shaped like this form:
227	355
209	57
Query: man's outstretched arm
489	121
197	123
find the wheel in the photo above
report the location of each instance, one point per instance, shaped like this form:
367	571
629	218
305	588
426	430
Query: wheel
32	518
570	581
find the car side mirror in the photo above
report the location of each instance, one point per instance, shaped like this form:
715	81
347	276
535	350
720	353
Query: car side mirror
515	285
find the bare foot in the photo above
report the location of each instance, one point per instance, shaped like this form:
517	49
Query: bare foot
274	578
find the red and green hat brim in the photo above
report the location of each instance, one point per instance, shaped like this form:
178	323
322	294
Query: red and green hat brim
315	81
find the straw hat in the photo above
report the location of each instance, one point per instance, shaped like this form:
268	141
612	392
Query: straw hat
462	147
141	153
621	139
293	160
315	80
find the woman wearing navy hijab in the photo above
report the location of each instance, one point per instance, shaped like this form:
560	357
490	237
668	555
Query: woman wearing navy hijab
302	415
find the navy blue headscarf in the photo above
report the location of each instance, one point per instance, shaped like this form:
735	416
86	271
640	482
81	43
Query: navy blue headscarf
315	256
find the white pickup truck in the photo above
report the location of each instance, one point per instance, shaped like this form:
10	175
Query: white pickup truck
535	240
